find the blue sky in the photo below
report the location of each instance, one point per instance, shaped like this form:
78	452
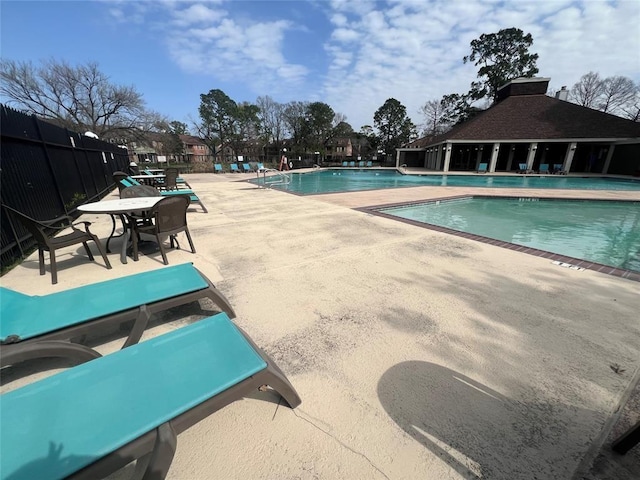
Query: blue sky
351	54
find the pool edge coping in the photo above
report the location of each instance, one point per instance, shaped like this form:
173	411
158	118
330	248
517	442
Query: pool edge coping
573	261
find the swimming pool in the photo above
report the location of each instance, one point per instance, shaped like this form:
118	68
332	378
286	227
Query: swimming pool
345	180
604	232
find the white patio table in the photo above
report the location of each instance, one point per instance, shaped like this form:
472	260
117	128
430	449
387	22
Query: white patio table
123	208
154	180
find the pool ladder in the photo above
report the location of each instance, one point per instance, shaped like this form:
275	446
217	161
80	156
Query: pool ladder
281	178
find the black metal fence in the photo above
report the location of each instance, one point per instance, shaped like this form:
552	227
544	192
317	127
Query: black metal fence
47	171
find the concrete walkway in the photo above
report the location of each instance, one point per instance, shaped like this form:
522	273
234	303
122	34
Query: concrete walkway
417	354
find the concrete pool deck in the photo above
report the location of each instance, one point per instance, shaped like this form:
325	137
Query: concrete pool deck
416	354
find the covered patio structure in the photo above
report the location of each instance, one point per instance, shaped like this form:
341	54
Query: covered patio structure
527	126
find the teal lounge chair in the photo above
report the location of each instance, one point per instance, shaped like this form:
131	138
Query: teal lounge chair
557	169
352	164
31	324
543	168
234	168
217	168
345	164
123	181
246	167
94	419
260	166
522	168
482	168
361	164
369	163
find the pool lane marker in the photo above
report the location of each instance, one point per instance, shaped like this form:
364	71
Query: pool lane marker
568	265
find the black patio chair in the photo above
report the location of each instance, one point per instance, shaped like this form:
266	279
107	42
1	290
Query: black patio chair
39	228
169	218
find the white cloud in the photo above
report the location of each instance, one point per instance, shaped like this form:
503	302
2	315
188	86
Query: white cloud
408	50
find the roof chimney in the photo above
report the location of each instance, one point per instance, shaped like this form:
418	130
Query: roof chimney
563	93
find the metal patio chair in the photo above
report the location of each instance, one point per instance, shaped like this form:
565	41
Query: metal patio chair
39	228
169	217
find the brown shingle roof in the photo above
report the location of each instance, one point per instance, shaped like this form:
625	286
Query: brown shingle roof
528	117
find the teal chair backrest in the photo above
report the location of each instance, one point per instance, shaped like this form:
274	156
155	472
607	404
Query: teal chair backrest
217	167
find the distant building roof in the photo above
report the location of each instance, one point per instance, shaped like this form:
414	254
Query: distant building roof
524	112
191	140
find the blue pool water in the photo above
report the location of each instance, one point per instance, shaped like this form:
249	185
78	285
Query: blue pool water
345	180
606	232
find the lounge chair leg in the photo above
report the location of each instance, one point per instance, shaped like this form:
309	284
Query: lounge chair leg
138	327
274	377
203	207
163	453
17	353
219	299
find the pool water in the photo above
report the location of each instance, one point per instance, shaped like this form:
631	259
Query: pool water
606	232
345	180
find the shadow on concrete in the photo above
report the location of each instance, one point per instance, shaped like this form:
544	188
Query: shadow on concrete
477	431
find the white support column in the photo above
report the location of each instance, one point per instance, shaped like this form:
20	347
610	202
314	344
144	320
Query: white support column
531	156
494	157
447	156
397	158
512	151
607	162
568	157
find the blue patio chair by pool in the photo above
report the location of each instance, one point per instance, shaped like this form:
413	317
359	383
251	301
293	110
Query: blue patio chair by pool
352	164
361	164
123	181
79	311
234	168
482	168
345	164
522	168
246	167
369	163
92	420
543	168
260	166
557	169
217	168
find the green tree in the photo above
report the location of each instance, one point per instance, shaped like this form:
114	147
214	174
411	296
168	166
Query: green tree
394	127
318	126
502	56
342	129
457	108
178	128
218	114
246	128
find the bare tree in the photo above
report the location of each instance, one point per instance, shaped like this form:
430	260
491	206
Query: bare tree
631	109
79	98
272	120
616	93
587	91
434	115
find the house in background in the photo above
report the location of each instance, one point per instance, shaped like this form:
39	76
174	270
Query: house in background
195	150
527	126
